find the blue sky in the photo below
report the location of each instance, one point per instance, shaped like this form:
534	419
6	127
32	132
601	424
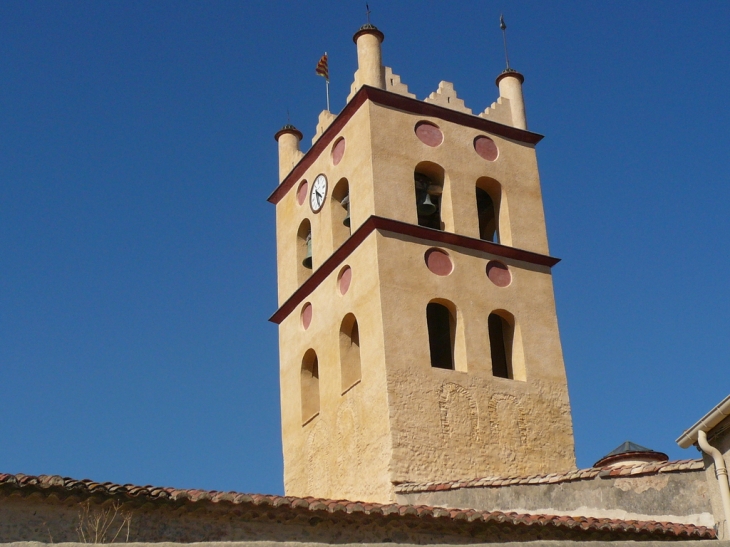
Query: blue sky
137	270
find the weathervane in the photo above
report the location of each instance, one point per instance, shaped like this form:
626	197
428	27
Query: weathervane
503	26
367	12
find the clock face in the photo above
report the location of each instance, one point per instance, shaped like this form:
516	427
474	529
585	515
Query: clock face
319	192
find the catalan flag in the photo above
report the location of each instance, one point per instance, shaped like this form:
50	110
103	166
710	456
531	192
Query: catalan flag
322	68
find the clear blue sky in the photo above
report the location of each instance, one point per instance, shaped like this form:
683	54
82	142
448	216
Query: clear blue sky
137	247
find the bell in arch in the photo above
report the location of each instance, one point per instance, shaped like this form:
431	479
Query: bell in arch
424	203
346	204
426	207
307	262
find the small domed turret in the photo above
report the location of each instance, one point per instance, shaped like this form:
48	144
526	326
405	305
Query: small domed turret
288	138
510	87
370	69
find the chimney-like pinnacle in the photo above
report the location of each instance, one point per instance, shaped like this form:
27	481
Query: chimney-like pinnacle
289	128
367	28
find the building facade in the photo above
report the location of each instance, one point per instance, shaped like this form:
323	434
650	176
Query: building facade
417	326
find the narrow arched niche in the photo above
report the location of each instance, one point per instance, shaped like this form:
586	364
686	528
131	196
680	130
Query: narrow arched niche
505	344
428	179
310	386
304	251
341	206
441	335
492	214
445	335
350	367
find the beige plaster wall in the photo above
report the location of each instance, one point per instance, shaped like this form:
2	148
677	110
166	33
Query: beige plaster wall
406	421
356	166
466	423
344	451
396	151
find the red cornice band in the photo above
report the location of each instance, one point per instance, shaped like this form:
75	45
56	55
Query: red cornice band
396	226
400	102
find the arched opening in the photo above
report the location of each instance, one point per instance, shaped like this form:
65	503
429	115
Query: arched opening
349	352
500	346
487	217
340	206
505	343
441	335
310	386
492	212
304	251
428	179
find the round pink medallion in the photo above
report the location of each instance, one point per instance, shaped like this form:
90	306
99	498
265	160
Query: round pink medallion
302	192
338	150
306	315
429	134
345	279
438	262
498	273
486	148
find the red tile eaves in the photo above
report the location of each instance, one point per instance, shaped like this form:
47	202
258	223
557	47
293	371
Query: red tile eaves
396	226
53	484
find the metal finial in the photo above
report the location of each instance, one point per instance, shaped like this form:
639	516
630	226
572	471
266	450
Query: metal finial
288	120
503	26
367	11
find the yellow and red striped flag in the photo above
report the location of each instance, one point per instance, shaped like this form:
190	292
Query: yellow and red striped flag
322	68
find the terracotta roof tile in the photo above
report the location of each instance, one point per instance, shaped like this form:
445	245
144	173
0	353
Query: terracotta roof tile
577	474
56	485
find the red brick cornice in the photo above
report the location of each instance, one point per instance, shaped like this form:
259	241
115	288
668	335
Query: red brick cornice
396	226
399	102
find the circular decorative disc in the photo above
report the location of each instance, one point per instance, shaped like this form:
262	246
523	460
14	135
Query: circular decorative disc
338	150
438	262
302	192
345	279
429	134
498	273
486	148
306	315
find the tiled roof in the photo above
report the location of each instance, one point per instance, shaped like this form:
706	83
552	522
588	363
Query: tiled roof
577	475
518	524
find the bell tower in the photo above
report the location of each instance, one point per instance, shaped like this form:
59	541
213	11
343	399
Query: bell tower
418	336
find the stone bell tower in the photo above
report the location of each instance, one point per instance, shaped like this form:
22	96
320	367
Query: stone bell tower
417	330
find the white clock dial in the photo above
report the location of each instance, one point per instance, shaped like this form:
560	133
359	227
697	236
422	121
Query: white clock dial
319	192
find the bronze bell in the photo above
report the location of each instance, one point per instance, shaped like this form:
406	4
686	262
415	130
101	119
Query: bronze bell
426	207
346	204
307	262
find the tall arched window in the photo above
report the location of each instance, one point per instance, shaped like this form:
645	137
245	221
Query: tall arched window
310	386
441	335
492	212
304	251
428	179
501	336
340	205
487	216
349	352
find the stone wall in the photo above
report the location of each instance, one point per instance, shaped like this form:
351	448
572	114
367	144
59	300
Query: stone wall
55	519
310	544
682	497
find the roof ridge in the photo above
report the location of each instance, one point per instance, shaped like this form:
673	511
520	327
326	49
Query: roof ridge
575	474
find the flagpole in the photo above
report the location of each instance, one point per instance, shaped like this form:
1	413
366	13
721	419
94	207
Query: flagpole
327	85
